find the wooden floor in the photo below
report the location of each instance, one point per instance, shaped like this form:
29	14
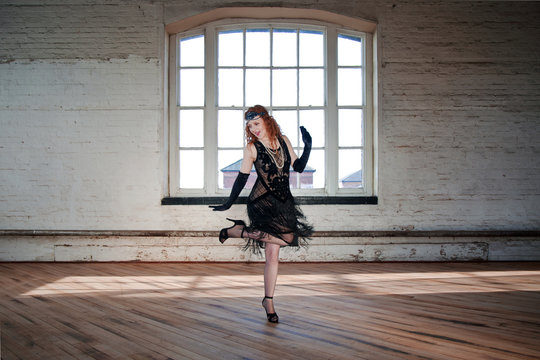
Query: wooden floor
327	311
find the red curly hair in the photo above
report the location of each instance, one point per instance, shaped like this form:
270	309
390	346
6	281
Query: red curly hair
272	128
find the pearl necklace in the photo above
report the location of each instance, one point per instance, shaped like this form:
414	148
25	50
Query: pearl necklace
276	152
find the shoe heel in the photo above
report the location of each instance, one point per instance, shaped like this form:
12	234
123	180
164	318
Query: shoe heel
237	222
223	235
272	317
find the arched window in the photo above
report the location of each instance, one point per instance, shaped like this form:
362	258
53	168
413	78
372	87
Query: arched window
311	73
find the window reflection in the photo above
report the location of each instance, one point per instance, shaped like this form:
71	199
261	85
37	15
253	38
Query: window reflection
350	161
284	91
349	50
230	128
191	128
191	87
231	87
284	47
258	47
350	86
231	48
311	92
191	169
311	48
257	86
350	127
192	51
313	120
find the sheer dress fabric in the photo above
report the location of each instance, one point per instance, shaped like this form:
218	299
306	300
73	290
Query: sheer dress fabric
271	207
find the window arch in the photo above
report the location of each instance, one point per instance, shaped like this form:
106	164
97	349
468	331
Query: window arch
306	72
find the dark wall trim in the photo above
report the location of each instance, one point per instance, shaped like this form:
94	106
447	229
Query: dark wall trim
210	233
302	200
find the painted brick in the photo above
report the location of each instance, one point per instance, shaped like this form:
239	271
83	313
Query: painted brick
82	109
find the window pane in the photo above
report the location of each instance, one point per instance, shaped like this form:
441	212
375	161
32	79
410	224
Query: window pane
231	48
288	123
313	121
311	48
350	168
258	47
191	128
349	50
350	127
230	87
294	178
191	169
316	166
257	86
191	87
284	47
284	87
311	87
350	87
229	162
310	178
230	128
192	51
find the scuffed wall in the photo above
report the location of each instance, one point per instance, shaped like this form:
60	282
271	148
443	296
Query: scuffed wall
82	117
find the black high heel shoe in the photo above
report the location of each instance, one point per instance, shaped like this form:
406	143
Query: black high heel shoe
273	318
223	235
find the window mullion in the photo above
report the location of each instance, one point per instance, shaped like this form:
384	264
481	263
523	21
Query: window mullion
298	137
210	120
369	134
174	182
332	112
244	54
271	69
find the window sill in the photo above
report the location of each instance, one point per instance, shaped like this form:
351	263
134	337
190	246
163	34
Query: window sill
302	200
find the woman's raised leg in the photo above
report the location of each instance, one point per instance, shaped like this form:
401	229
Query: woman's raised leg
238	231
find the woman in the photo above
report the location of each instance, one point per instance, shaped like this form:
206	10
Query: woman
275	220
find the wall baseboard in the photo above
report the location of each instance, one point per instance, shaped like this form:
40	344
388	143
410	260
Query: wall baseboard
331	246
204	233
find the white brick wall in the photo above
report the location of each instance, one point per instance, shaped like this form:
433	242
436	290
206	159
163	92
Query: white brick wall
81	117
80	142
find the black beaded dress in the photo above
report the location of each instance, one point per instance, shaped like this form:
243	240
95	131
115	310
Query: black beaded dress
271	207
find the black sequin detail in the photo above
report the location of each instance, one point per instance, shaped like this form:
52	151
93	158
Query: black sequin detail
271	207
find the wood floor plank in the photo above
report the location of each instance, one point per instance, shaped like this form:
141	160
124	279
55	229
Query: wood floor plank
327	311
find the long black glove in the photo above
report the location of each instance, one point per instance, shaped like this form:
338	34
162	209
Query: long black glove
239	184
300	163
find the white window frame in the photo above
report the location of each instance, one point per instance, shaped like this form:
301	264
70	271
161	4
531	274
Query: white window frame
330	31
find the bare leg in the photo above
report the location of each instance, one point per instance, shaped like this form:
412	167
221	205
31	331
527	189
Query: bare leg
238	231
271	248
270	274
269	239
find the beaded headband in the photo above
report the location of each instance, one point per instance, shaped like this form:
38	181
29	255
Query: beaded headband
250	115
